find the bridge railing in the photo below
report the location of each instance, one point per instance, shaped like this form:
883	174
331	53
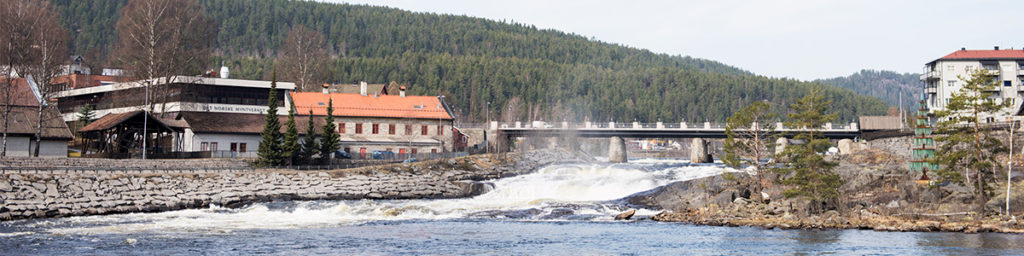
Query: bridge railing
853	127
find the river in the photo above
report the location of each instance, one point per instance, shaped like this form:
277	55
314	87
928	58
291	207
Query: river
563	209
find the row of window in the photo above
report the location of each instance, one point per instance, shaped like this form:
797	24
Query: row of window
375	129
1007	83
212	146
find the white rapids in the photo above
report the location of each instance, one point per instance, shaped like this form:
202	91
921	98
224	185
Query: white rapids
557	192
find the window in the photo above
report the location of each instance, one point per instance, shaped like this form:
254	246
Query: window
440	130
213	146
341	128
241	147
234	147
951	83
348	150
1007	83
414	151
433	151
408	129
376	128
950	67
204	146
359	128
423	130
391	129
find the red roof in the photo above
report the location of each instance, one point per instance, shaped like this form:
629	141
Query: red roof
356	105
985	54
75	81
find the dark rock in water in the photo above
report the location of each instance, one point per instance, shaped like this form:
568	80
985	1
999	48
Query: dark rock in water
558	213
625	215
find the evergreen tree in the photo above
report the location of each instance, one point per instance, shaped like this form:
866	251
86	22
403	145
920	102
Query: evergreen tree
964	144
747	137
270	153
330	141
309	145
290	147
812	175
85	116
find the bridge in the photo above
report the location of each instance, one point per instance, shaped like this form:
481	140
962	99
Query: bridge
503	133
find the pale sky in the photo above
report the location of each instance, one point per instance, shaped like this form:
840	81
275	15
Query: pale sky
803	39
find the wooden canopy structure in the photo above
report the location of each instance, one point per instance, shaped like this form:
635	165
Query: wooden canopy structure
121	135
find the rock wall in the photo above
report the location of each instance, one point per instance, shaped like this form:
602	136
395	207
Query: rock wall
28	194
100	163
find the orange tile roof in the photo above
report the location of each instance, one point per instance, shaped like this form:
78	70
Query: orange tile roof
985	54
355	105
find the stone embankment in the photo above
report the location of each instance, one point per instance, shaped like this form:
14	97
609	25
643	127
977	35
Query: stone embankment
56	194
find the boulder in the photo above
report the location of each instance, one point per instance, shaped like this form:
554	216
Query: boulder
625	215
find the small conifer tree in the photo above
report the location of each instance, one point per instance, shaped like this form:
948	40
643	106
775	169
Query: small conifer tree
330	141
290	147
309	145
270	146
812	175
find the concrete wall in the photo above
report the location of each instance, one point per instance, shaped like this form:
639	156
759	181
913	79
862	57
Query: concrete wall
36	194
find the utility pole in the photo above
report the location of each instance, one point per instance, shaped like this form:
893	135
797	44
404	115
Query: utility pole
145	120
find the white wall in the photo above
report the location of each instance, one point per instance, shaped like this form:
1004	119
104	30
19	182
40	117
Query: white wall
223	141
53	148
17	145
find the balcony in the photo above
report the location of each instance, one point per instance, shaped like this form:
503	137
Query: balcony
930	75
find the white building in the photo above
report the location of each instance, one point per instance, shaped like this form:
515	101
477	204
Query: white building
942	77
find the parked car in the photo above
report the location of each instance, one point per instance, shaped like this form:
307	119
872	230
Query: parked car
342	155
383	155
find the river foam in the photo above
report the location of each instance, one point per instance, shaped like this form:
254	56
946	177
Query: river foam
556	192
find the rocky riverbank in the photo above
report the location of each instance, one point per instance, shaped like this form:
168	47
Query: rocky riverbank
26	194
878	193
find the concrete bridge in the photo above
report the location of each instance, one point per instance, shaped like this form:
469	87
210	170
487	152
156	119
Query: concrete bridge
503	133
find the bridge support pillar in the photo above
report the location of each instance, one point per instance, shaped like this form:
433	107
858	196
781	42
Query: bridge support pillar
780	145
699	151
616	150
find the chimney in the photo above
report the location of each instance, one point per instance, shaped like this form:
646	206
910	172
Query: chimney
401	91
362	88
963	48
997	48
326	87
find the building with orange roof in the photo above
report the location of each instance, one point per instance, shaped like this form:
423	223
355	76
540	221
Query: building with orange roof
941	78
399	124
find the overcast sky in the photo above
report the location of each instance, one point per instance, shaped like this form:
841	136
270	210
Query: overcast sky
804	39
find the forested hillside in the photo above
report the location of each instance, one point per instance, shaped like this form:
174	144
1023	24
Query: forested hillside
522	71
885	85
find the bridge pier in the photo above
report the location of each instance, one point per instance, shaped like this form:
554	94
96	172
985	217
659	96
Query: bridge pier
699	151
616	150
780	145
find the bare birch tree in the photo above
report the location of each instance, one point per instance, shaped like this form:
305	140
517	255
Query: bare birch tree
48	53
303	57
163	39
18	20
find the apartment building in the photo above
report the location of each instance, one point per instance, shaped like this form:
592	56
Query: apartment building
942	78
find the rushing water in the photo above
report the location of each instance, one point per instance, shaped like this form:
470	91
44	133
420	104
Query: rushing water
563	209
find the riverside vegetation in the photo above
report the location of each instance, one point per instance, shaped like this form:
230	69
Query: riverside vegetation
865	187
